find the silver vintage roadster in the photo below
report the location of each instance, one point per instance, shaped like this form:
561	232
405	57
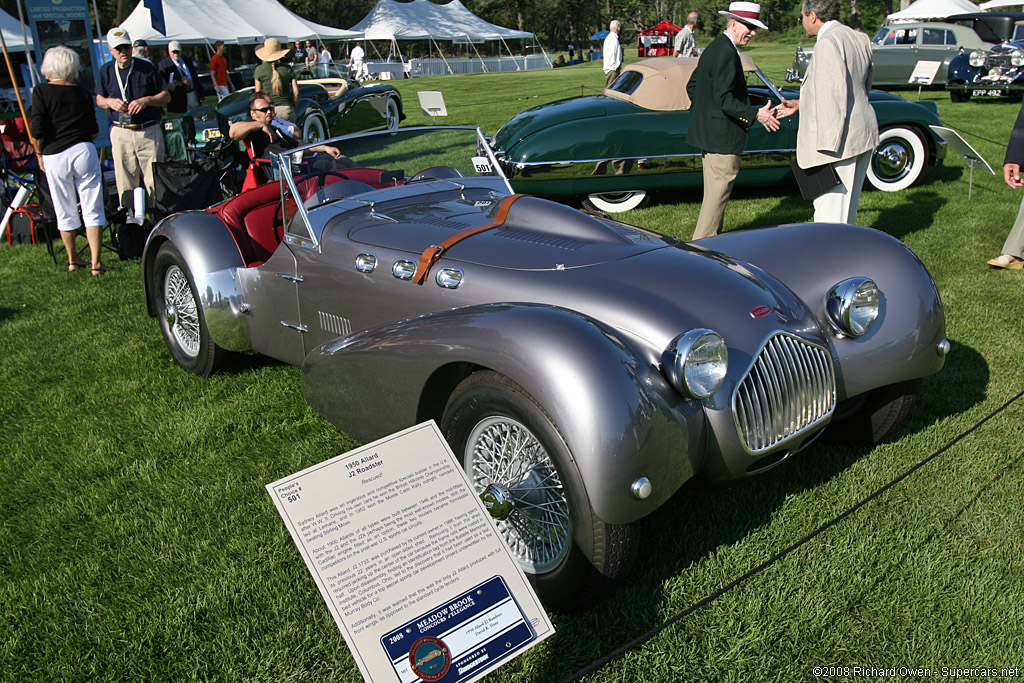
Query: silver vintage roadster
581	368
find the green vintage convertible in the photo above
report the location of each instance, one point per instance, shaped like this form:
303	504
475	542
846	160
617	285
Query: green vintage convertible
613	150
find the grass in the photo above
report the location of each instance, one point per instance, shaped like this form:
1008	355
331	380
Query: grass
137	541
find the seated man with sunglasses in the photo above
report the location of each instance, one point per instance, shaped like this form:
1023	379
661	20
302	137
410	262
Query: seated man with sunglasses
267	133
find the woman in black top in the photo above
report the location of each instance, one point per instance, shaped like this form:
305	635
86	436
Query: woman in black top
64	126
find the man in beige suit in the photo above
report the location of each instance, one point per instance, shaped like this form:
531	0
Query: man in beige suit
837	123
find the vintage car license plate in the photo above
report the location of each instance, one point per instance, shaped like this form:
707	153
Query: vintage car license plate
454	640
987	92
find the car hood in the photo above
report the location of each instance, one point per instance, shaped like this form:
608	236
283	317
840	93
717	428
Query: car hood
525	124
528	233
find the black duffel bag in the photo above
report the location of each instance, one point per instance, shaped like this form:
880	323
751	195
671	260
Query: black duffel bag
183	185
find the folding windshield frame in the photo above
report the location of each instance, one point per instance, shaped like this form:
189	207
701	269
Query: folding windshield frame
283	162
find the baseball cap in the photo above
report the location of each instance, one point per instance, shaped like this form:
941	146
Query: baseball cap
140	43
118	36
174	46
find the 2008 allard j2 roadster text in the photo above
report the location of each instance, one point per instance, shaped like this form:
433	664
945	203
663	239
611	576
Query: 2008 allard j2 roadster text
581	368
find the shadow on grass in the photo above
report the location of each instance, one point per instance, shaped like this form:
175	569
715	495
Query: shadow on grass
700	519
7	313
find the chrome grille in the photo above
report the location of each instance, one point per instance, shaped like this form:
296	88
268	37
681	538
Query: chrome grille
790	387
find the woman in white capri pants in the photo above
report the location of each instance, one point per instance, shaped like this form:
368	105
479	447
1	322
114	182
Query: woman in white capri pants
64	126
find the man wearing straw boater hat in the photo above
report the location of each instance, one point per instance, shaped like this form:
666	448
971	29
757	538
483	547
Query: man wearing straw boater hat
721	113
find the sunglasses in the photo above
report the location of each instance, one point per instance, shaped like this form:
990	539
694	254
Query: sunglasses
263	110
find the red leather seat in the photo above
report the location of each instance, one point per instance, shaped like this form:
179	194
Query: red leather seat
250	219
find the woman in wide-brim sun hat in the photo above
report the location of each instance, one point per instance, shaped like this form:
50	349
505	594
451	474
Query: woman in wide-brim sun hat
748	13
275	79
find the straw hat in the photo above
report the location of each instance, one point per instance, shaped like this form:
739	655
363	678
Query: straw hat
271	50
745	12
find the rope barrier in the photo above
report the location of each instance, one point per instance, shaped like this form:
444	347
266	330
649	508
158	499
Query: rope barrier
640	640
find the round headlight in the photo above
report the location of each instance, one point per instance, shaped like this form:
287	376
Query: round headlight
697	361
1017	57
852	305
977	59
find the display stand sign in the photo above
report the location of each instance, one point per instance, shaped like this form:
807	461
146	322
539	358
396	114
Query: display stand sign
964	149
432	103
415	574
66	22
924	72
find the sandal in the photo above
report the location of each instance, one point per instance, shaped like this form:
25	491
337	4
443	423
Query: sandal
99	270
1007	261
75	265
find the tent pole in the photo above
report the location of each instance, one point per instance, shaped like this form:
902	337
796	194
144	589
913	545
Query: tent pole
446	64
28	53
17	93
512	55
482	62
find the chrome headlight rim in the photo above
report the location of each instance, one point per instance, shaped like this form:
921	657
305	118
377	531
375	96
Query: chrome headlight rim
697	362
1017	57
853	305
976	59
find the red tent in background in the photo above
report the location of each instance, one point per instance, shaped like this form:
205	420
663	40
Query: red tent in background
657	41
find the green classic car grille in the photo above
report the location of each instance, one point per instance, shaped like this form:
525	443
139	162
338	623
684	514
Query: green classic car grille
789	388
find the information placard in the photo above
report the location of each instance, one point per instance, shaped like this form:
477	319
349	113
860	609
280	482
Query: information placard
411	567
924	72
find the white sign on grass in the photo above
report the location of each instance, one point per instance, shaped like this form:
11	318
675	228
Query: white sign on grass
924	72
408	561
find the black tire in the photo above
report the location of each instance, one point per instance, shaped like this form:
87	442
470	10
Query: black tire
182	321
959	96
873	417
577	561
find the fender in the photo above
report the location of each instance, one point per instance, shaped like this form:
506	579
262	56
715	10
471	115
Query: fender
887	354
212	257
618	415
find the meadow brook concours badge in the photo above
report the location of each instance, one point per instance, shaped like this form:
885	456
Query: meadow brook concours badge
430	658
453	641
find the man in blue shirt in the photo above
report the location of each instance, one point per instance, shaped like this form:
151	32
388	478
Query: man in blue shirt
133	92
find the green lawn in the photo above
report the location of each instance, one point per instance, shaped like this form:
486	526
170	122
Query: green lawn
137	542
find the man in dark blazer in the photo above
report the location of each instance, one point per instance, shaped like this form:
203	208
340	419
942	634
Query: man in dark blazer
1013	247
721	113
182	79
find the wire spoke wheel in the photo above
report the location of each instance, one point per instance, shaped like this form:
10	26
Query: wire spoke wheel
503	452
182	318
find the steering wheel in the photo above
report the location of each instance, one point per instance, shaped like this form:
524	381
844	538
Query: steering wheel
436	173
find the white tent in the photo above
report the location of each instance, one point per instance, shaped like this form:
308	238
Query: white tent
422	20
924	10
14	39
242	22
1000	4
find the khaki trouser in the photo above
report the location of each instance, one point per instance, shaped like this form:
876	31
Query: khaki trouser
134	152
1014	244
839	205
720	171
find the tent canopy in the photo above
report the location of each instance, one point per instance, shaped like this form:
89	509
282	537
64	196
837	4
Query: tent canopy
12	33
422	19
665	27
923	10
240	22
